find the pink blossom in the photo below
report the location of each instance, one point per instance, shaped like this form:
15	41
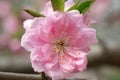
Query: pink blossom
58	43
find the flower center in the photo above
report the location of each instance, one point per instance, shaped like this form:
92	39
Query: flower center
59	46
60	43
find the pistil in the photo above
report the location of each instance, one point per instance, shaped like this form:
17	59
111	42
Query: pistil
59	46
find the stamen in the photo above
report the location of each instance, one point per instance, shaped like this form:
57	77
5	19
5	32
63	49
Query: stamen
59	45
56	49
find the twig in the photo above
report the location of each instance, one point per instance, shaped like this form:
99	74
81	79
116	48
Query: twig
15	76
44	77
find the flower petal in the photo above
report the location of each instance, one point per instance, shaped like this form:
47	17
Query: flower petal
73	60
87	37
56	73
68	4
47	9
75	52
36	60
27	24
31	39
43	57
81	64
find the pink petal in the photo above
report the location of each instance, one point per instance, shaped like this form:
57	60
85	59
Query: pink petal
43	58
80	64
65	23
56	73
31	39
27	24
73	60
88	37
47	9
50	57
87	20
66	64
36	61
68	4
53	60
75	52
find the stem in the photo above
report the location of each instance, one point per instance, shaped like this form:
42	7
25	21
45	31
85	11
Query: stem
43	76
16	76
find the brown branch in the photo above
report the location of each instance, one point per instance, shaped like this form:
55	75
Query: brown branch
16	76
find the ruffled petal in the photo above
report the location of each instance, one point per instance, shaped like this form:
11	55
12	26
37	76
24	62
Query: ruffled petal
73	60
75	52
68	23
68	4
87	37
47	9
36	60
43	58
66	63
31	39
56	73
27	24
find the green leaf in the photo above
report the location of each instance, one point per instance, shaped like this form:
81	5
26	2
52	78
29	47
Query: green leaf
83	7
58	5
74	6
33	13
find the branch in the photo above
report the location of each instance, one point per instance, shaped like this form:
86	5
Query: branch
16	76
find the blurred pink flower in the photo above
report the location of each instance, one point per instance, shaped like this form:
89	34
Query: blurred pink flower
5	8
10	25
58	43
99	8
